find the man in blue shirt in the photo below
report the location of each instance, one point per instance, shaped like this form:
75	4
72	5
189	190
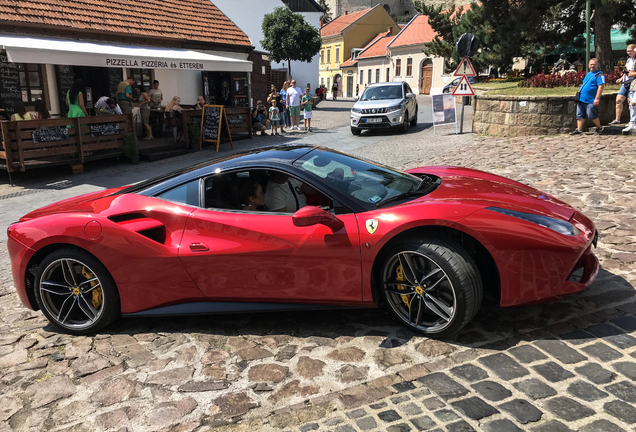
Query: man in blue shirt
590	98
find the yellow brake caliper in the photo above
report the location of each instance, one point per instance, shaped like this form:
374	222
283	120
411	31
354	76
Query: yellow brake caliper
97	293
400	276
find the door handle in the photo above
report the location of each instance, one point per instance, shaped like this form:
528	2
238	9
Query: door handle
199	247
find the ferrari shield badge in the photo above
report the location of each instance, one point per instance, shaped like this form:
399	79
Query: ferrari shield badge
372	225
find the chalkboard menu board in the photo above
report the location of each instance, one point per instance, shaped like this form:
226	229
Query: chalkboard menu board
235	118
64	76
105	129
211	120
49	134
114	78
10	93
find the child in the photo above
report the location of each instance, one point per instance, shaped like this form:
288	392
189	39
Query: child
274	116
307	101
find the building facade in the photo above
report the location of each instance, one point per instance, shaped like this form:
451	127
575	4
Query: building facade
343	37
102	42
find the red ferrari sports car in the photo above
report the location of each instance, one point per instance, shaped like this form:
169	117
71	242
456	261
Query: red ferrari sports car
300	227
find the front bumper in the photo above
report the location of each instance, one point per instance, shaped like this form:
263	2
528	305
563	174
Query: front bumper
376	121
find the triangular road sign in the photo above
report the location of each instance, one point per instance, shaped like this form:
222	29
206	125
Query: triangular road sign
463	88
465	68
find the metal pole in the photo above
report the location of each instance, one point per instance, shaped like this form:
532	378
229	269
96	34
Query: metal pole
461	125
587	35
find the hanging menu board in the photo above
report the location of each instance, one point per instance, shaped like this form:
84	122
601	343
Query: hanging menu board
115	76
212	120
105	129
49	134
10	92
64	76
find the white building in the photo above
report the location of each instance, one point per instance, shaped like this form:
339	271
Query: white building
248	16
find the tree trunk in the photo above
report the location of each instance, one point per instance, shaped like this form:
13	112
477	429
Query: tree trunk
603	40
289	69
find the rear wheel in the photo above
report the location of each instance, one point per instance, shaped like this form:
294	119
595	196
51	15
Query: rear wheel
432	286
355	131
76	292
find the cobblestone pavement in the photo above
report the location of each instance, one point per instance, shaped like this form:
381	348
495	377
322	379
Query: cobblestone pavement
566	365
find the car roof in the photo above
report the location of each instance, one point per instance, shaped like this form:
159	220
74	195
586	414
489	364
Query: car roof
385	84
270	155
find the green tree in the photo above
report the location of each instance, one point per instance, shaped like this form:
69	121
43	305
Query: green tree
287	36
326	16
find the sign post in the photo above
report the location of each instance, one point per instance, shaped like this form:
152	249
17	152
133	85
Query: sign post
212	119
466	47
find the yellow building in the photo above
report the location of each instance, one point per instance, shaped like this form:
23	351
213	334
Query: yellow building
342	37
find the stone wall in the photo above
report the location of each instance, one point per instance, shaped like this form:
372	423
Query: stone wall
534	115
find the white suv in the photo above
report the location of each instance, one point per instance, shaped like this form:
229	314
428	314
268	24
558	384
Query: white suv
384	105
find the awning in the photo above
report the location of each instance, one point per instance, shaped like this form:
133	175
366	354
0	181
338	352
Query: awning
618	38
65	52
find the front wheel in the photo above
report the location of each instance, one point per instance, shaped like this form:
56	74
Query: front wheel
75	292
355	131
432	286
405	123
414	121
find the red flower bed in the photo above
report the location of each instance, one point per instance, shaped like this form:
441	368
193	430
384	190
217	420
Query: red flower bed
565	80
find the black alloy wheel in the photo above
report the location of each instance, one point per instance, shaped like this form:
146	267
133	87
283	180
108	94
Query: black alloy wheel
76	292
432	286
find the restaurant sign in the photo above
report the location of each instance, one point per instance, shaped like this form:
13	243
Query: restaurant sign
154	64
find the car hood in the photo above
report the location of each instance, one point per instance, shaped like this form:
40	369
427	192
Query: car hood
384	103
464	184
82	203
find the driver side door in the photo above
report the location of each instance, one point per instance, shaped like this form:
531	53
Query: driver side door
259	256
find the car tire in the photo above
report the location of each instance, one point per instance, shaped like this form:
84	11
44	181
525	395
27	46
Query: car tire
414	121
440	277
356	131
76	292
405	123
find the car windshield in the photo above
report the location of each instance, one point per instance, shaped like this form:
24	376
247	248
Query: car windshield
366	182
382	93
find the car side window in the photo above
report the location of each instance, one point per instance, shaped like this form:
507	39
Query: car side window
187	194
247	190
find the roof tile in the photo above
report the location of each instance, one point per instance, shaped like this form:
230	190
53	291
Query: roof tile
340	23
194	20
418	31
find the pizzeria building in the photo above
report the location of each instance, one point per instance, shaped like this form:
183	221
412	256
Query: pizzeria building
189	46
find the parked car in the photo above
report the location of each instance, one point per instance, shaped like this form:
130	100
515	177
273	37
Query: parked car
428	243
384	105
450	87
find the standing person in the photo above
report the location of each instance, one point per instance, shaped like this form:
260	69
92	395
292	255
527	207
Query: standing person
144	110
278	97
75	100
21	113
274	117
294	95
124	94
628	74
285	111
631	127
334	89
156	95
307	102
41	113
590	98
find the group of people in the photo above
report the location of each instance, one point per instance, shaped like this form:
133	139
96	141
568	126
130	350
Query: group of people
589	95
284	109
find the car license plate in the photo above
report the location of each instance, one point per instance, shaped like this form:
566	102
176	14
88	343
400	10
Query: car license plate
374	120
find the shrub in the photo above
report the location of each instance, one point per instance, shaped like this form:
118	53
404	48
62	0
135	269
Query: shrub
131	149
194	134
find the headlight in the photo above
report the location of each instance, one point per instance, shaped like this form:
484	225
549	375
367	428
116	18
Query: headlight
562	227
356	110
394	108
